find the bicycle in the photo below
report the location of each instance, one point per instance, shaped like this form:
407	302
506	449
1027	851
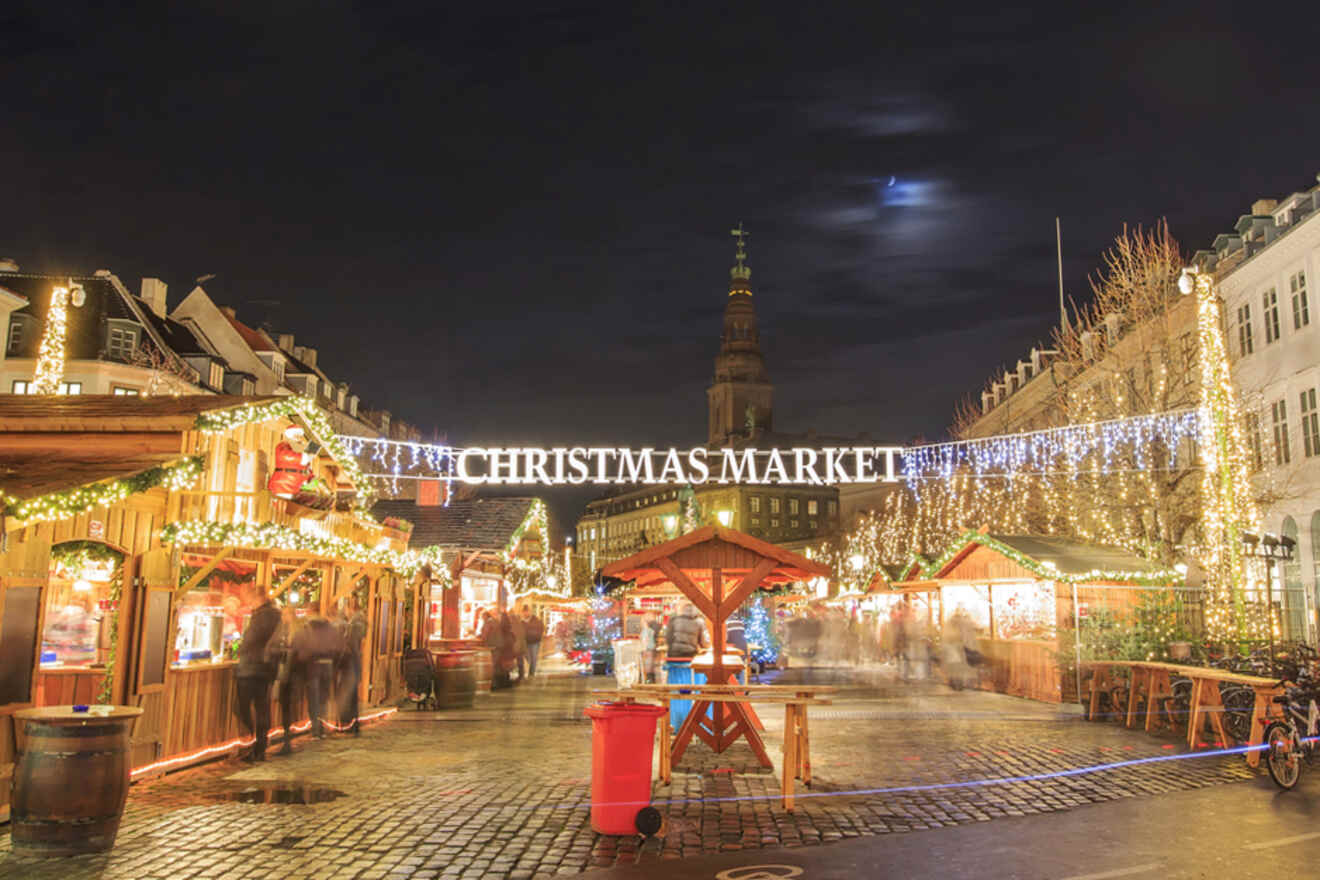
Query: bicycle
1290	744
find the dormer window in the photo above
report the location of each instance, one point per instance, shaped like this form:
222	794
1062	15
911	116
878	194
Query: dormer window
121	341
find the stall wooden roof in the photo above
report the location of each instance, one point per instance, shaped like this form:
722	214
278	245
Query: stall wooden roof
49	443
696	553
486	524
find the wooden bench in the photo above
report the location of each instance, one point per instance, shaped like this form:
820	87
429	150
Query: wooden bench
797	737
1153	680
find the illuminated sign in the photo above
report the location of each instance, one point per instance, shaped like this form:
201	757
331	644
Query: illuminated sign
579	465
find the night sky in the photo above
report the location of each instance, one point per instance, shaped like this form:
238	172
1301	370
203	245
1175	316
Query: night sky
512	226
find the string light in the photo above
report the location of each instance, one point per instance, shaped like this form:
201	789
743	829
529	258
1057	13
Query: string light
50	356
273	536
306	410
73	502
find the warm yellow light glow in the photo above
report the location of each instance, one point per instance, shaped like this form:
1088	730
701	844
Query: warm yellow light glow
725	517
50	357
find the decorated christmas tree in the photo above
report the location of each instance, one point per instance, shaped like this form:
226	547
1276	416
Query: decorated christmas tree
759	629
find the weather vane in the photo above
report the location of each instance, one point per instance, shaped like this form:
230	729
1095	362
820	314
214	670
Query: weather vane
740	273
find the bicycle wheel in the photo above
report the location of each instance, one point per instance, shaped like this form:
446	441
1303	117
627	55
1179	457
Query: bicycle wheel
1283	755
1238	707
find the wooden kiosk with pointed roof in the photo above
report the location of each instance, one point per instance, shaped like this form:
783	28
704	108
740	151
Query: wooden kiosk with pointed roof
716	569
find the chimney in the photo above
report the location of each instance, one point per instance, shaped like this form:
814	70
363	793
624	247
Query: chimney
286	342
1261	207
309	357
229	312
153	294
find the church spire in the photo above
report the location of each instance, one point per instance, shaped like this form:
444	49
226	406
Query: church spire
741	274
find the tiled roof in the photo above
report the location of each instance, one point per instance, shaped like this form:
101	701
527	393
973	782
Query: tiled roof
477	524
109	413
254	339
85	329
176	335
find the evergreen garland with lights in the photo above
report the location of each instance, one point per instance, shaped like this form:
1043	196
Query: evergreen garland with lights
73	502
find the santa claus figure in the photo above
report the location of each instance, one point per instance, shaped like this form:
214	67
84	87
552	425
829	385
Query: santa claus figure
291	464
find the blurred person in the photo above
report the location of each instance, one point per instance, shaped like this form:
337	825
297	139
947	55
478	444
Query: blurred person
650	644
533	632
519	629
735	633
353	629
315	647
685	634
288	676
256	670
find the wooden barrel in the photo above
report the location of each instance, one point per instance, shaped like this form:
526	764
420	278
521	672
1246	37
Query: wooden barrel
455	679
70	781
482	669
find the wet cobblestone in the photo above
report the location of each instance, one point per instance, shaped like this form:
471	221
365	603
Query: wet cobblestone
501	791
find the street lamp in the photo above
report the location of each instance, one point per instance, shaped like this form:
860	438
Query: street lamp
1272	549
725	517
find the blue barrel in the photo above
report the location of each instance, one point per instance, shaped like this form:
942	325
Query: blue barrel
680	672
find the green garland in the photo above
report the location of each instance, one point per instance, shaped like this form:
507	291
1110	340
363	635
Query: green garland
273	536
106	693
304	409
1156	577
73	502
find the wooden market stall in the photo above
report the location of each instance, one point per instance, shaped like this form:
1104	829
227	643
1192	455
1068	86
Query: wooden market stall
132	529
1021	592
716	569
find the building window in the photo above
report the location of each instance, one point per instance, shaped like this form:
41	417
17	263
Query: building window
1282	454
756	520
792	506
813	507
1310	424
1244	330
811	524
774	523
123	342
833	507
774	505
15	336
124	391
1301	311
754	504
1255	449
1271	301
23	387
217	377
793	523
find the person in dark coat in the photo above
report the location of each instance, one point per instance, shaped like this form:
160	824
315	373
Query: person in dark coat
354	630
314	649
287	678
508	650
534	630
494	642
256	671
685	634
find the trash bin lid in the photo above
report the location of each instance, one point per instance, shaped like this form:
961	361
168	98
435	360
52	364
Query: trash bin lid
610	709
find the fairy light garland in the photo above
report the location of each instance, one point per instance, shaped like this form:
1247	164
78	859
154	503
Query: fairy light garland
273	536
50	356
305	409
1151	577
73	502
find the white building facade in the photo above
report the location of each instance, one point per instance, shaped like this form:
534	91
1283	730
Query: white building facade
1267	271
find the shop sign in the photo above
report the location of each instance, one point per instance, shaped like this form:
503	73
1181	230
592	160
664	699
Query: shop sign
831	466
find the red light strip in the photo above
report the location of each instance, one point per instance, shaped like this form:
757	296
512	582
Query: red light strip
243	742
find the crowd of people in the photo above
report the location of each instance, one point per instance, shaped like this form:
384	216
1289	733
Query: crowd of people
313	656
903	637
514	641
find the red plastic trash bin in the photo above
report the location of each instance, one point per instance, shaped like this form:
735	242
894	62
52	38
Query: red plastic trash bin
622	739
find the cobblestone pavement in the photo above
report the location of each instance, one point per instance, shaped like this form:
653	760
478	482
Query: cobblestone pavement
501	790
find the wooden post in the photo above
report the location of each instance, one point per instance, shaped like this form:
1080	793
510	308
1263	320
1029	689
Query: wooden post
449	623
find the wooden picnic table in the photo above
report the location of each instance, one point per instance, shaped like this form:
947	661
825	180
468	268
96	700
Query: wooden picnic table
1153	680
794	698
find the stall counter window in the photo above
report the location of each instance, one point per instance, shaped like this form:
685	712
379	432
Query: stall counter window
213	615
80	601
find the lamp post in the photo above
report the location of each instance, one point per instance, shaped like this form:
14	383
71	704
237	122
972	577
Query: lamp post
1272	549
